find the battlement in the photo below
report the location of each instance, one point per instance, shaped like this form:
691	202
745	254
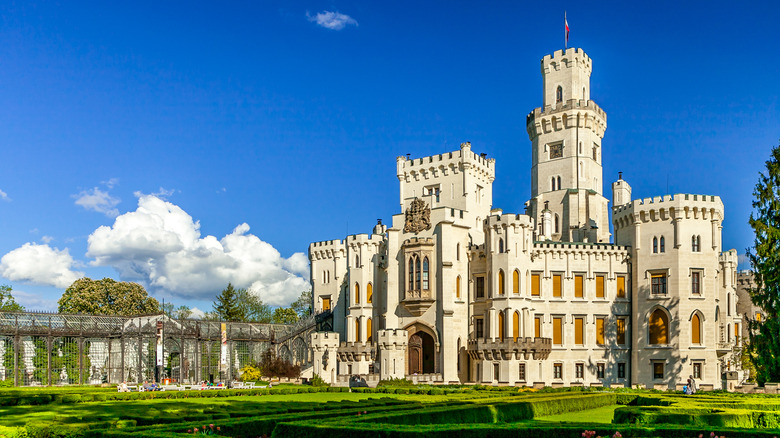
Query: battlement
571	57
680	201
444	164
601	248
392	337
567	105
729	256
418	241
356	239
509	219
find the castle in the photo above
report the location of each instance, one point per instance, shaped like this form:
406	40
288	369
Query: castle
456	291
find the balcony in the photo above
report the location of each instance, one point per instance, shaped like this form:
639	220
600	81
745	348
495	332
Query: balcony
417	301
356	351
508	349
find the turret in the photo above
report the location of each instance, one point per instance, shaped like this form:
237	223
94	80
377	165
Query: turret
621	191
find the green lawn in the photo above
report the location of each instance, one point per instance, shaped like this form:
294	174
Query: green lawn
601	415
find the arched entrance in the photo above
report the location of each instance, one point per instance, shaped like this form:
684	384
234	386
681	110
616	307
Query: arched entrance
421	350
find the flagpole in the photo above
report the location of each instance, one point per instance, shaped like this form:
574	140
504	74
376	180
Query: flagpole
565	37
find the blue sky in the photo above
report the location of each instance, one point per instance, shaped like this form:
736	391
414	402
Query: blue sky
185	145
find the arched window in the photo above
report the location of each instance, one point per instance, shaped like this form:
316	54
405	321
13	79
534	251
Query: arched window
417	273
357	261
411	273
559	183
357	293
516	282
369	293
655	245
457	287
516	325
583	94
728	333
357	330
659	328
695	329
557	223
559	95
369	330
425	274
552	184
663	246
457	251
501	282
501	246
501	327
698	243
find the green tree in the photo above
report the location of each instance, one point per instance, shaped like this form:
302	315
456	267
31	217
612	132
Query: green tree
303	305
253	307
182	312
107	297
227	305
7	302
764	258
284	315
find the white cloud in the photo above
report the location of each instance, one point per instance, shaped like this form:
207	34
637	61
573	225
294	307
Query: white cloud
40	264
331	20
46	239
160	244
197	313
99	201
4	196
32	301
743	262
110	183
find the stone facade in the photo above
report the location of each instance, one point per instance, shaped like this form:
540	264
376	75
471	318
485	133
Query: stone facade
456	291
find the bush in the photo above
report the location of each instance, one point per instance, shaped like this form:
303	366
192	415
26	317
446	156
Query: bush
316	381
395	382
250	374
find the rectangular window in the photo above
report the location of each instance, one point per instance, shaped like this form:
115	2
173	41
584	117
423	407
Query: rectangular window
658	370
736	332
578	283
600	369
579	325
535	280
326	303
579	370
621	370
696	282
697	371
557	331
479	283
521	373
556	285
495	371
621	286
537	327
758	316
659	284
621	331
600	331
599	286
558	371
479	328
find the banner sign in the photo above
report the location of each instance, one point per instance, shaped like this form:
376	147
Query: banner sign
223	355
159	343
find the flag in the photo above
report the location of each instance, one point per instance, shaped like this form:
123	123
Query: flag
566	23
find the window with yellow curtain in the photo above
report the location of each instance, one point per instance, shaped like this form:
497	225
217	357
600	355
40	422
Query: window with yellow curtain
516	325
659	327
621	331
326	303
457	287
758	316
369	293
556	285
579	326
357	293
369	330
558	331
600	331
736	331
695	329
501	282
501	326
579	281
357	330
537	327
599	286
621	286
535	280
515	282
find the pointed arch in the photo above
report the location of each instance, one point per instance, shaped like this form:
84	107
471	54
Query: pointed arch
411	273
557	224
552	184
369	331
559	94
662	244
357	293
426	282
516	282
457	251
696	327
417	273
655	245
658	327
457	287
559	183
501	326
500	245
369	293
501	282
357	330
515	325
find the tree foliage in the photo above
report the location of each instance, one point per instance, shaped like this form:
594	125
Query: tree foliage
107	297
274	366
7	302
253	307
284	315
303	305
764	258
227	306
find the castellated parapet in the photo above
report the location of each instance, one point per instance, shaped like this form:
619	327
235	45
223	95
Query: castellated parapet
392	353
679	206
451	163
565	116
571	57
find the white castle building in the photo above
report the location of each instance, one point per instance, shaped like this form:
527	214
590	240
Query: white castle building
456	291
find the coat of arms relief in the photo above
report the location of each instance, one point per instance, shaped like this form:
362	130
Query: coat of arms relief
418	217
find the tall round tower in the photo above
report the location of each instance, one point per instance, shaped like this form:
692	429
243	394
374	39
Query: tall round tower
566	135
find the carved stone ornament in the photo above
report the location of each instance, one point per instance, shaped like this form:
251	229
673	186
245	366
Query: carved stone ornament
418	217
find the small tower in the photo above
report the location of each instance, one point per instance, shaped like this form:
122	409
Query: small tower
621	191
566	136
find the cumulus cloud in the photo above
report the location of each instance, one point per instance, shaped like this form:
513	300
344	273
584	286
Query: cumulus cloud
197	313
40	264
99	201
161	245
331	20
4	196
